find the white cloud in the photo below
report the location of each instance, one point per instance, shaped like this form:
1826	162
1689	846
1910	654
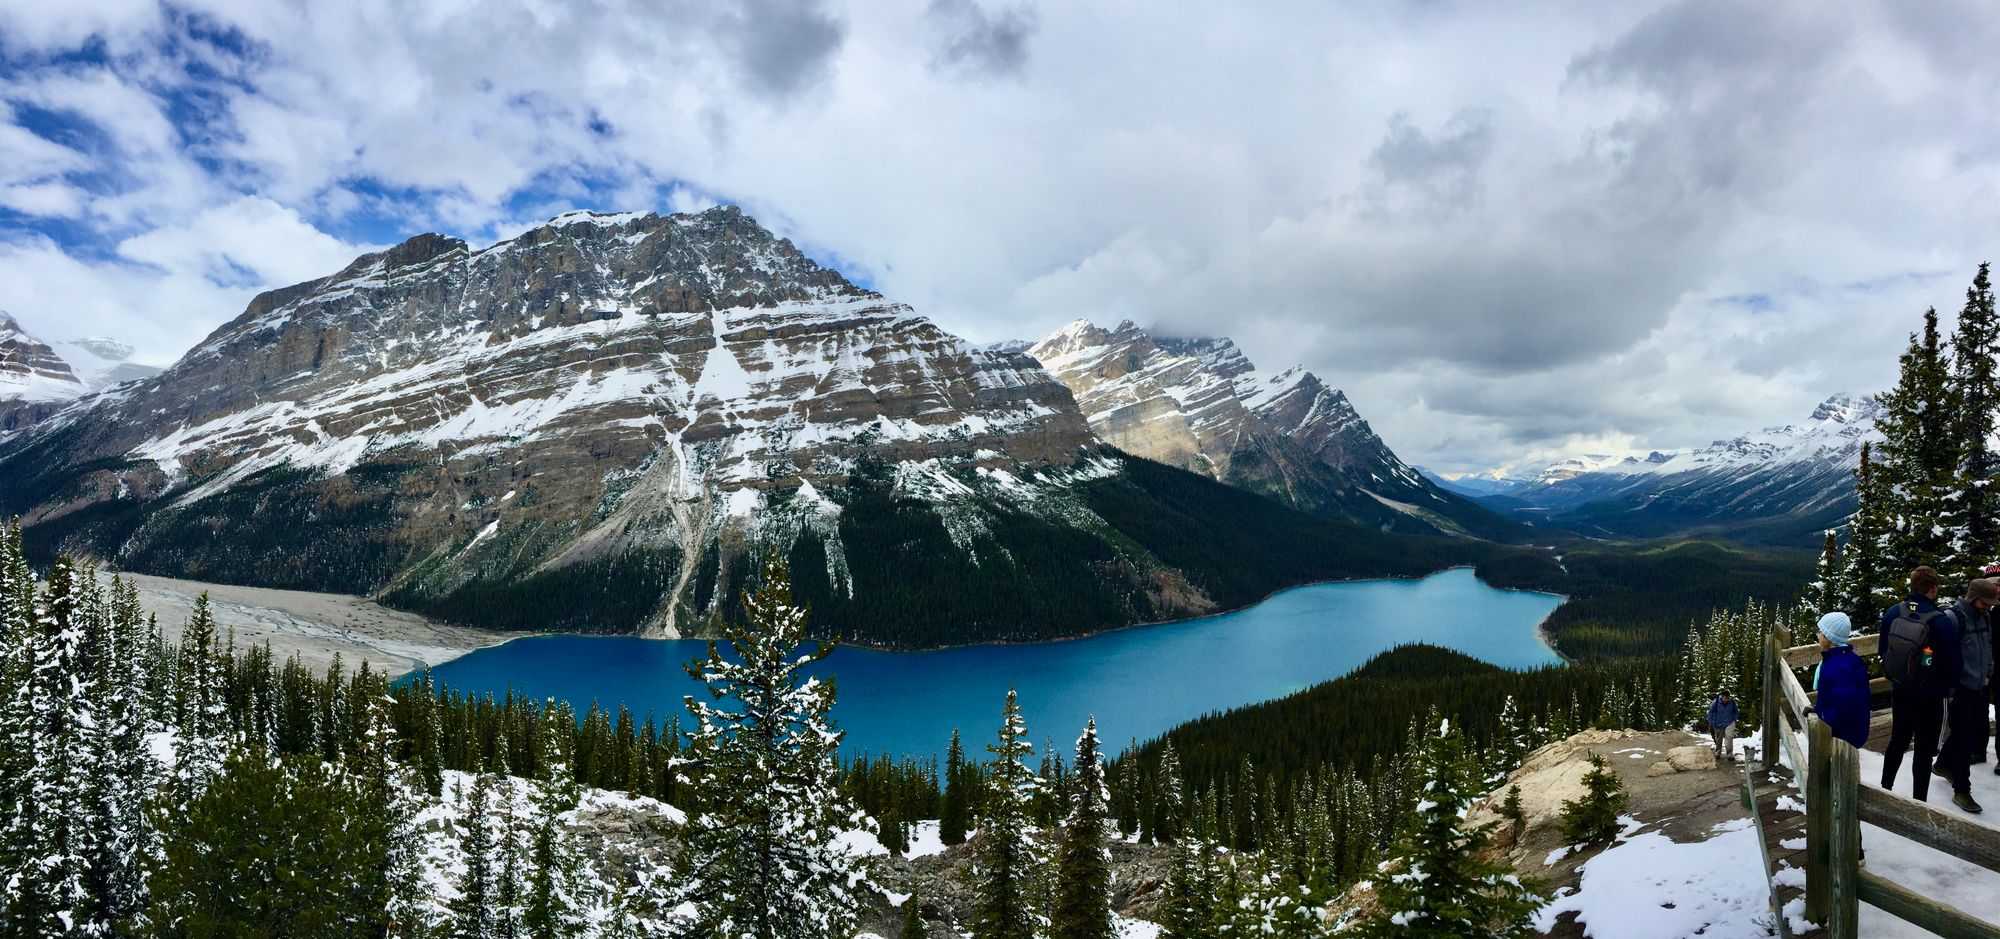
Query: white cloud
1503	231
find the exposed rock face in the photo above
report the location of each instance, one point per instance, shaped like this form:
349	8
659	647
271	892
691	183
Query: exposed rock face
1201	405
671	390
34	380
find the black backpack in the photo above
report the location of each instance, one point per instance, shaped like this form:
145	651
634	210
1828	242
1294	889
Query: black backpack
1908	659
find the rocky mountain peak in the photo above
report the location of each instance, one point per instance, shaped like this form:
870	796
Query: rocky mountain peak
1847	408
1199	403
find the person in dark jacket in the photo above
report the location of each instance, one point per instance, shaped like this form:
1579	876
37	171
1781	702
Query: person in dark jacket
1722	718
1842	682
1917	714
1965	715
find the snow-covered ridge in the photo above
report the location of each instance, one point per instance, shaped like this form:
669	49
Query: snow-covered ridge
1199	403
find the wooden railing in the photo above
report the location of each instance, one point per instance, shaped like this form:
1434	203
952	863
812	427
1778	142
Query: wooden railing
1837	802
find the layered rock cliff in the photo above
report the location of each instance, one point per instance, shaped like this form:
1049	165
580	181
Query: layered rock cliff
1201	405
591	426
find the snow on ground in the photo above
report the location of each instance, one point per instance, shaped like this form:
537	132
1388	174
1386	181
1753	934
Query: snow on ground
1649	887
927	840
1930	873
1134	928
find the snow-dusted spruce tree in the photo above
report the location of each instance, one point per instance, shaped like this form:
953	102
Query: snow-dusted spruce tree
18	627
1083	859
1169	795
1440	884
50	895
762	860
1920	449
955	812
1869	578
1190	890
204	716
552	880
913	923
1823	592
474	913
1009	862
1972	518
123	772
1593	818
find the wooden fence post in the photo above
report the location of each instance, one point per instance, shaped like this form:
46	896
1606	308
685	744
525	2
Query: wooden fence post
1819	828
1843	787
1773	661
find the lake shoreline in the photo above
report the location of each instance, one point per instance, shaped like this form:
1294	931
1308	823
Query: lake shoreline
1541	629
1135	682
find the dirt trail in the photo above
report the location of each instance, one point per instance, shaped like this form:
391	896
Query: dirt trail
314	625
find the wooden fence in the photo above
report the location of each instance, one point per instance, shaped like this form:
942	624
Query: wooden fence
1837	802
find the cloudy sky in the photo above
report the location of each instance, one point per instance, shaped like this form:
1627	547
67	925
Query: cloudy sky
1508	234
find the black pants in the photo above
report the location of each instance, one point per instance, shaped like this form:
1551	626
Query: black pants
1914	719
1965	734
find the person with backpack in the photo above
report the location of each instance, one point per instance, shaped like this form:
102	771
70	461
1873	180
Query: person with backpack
1722	718
1842	682
1965	714
1920	657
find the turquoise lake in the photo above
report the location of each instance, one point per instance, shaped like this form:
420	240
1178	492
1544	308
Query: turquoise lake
1138	682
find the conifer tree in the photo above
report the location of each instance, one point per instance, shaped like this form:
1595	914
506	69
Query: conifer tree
1972	506
952	825
1442	885
1593	819
1009	861
1083	860
762	860
553	868
50	896
1920	449
1169	799
204	721
18	630
913	923
1186	910
1823	593
474	912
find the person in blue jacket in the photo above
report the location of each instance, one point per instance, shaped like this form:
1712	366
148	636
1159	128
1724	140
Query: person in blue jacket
1842	682
1722	718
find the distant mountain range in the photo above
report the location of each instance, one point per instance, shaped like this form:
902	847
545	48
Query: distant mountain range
1199	404
598	424
1779	485
37	378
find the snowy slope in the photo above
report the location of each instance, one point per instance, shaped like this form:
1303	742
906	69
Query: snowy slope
1779	483
487	434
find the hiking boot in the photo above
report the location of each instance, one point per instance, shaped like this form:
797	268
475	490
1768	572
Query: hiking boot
1964	801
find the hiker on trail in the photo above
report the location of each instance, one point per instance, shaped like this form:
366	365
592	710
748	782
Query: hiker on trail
1722	716
1920	657
1965	714
1842	682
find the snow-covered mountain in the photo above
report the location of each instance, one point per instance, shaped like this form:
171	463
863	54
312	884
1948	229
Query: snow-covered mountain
34	380
593	425
37	378
1201	405
1780	483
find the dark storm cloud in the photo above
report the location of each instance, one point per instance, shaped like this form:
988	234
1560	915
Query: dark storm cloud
783	46
1442	167
972	40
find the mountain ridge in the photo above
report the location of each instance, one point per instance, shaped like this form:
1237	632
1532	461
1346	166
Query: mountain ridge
1200	404
596	424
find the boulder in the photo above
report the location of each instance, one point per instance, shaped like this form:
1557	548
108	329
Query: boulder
1661	768
1688	759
